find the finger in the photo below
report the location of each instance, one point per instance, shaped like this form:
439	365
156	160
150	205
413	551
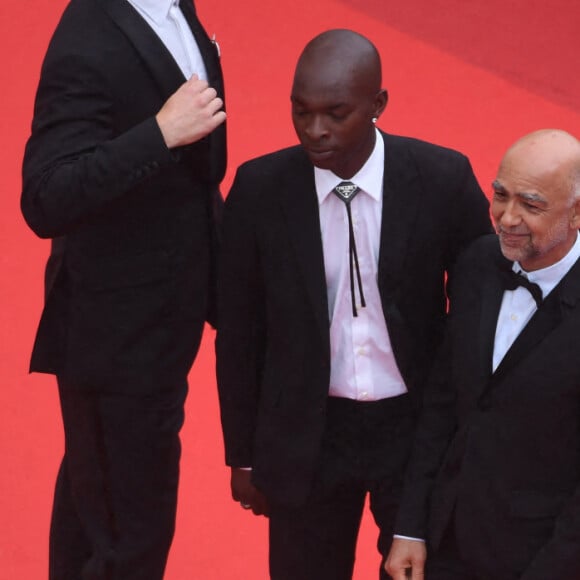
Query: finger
397	571
216	120
205	96
264	506
398	574
215	105
266	510
196	83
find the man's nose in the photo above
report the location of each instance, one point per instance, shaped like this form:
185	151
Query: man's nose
317	128
510	216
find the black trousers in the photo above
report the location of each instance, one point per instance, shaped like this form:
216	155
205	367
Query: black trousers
365	450
116	491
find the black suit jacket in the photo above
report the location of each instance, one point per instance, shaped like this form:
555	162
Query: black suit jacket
273	344
132	222
501	450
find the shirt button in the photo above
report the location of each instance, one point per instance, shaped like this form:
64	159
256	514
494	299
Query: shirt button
363	396
361	351
514	317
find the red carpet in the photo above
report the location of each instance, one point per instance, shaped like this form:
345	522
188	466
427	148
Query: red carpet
471	75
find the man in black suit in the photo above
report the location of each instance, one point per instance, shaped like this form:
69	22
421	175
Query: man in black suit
494	484
330	307
122	171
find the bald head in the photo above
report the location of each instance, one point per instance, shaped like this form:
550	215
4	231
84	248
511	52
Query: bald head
341	56
536	201
550	155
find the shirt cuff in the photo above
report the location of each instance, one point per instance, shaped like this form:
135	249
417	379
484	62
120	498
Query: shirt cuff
408	538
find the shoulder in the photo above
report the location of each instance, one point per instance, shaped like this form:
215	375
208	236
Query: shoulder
79	19
275	165
418	149
479	261
259	180
84	33
428	159
482	254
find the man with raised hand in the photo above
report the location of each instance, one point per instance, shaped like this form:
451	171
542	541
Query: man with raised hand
122	171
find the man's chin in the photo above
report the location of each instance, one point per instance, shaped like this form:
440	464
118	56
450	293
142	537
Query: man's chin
511	253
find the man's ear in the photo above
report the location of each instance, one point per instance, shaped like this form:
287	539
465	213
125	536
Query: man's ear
381	100
575	216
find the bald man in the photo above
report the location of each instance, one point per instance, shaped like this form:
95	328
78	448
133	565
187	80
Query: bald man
331	304
494	484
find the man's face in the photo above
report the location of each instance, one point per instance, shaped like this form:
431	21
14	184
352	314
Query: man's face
332	116
534	212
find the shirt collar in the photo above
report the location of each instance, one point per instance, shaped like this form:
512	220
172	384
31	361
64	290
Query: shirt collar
549	277
157	10
369	178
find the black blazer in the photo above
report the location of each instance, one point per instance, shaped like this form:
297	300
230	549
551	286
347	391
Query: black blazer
132	221
502	449
273	344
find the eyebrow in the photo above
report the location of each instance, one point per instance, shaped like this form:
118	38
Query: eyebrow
531	197
300	102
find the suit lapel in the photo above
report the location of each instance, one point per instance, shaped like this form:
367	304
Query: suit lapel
492	293
550	314
209	53
154	54
300	205
401	196
206	46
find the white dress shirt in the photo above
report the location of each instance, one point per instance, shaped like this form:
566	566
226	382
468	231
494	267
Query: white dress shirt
362	364
518	306
167	21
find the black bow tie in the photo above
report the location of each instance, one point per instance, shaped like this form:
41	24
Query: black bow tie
513	280
346	191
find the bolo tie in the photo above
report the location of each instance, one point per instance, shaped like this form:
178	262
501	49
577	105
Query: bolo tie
346	191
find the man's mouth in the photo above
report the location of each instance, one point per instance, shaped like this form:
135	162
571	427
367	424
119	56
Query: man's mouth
319	154
510	238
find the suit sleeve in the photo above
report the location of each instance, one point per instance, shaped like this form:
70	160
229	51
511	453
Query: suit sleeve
437	434
469	214
75	162
467	211
240	337
436	427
